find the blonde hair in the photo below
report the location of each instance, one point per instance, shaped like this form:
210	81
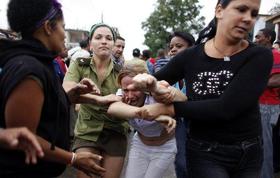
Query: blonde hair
131	68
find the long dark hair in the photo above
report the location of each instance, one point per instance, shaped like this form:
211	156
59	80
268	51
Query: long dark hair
210	31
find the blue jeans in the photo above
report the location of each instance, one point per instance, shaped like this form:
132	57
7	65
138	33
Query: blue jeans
269	117
276	147
181	139
214	160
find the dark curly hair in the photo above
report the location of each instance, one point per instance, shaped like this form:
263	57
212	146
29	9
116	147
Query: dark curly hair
184	35
267	32
25	16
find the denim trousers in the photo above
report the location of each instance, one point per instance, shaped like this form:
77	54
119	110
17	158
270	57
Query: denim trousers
214	160
181	141
269	117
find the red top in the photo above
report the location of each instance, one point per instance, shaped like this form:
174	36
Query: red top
271	95
62	64
152	60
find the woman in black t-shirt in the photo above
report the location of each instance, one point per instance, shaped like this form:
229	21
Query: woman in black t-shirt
224	78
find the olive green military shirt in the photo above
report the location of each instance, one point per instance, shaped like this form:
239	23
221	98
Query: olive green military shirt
92	119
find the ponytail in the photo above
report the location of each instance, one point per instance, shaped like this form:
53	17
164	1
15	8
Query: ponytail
210	31
207	33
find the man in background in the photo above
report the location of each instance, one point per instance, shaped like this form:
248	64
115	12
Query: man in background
82	52
117	51
269	101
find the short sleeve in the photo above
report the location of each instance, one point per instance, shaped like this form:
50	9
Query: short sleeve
276	62
73	73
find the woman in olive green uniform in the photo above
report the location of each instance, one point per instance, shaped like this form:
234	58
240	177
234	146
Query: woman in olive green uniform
95	131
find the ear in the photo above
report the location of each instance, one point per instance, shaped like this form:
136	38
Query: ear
219	11
269	39
90	45
47	28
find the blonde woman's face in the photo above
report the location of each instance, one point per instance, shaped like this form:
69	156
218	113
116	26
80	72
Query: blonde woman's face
102	42
131	97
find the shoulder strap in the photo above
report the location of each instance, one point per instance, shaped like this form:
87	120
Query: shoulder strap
82	61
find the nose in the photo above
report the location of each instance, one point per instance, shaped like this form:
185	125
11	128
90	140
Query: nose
256	40
120	49
103	40
173	51
248	17
130	95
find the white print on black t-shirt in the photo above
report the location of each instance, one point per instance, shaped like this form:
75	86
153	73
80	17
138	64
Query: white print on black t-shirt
212	83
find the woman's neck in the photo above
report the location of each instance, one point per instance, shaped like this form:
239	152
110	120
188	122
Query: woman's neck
101	63
220	46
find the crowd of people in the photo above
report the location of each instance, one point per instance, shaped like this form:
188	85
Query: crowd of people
209	106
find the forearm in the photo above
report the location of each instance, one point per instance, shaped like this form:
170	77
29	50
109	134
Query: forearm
165	109
57	155
173	71
88	98
122	110
72	94
274	81
68	85
178	95
76	97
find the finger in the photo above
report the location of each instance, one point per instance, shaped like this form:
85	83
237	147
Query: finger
30	151
98	168
96	90
89	174
27	157
33	154
162	90
170	123
88	82
96	157
33	157
29	137
25	146
173	126
164	83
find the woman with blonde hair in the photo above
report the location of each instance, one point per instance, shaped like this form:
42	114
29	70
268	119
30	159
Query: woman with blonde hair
153	146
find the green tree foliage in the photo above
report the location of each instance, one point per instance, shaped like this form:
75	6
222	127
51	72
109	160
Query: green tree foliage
168	16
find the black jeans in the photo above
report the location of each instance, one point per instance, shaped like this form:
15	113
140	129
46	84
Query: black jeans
214	160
